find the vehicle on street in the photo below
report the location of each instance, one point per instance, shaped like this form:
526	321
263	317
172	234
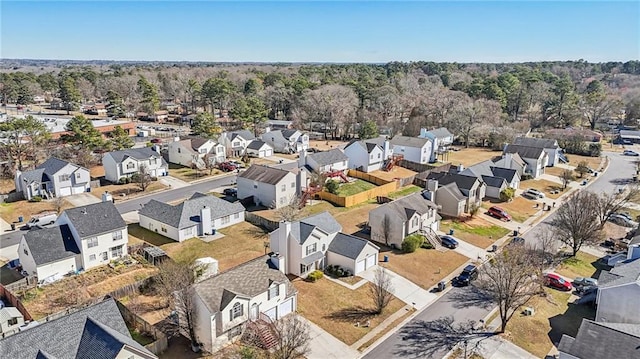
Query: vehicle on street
533	193
630	153
555	281
230	192
449	242
581	282
43	219
156	140
622	220
499	213
468	274
517	240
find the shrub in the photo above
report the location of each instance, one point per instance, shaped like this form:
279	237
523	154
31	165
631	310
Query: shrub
412	243
595	149
332	186
526	176
36	199
122	180
427	245
314	276
507	194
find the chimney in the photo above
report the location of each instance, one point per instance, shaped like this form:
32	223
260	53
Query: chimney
205	220
423	133
283	246
430	191
386	149
107	197
459	168
302	161
278	261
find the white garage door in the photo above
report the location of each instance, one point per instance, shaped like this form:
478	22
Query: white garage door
360	266
272	313
269	153
78	189
262	153
371	261
286	308
65	191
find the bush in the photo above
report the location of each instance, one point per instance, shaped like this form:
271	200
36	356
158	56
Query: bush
507	194
314	276
427	245
332	186
36	199
412	243
595	149
526	176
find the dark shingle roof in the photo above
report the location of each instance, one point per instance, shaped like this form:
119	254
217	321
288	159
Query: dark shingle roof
380	140
505	173
462	181
525	151
187	213
406	206
197	142
53	165
94	219
597	340
441	132
492	181
536	142
246	280
416	142
369	146
264	174
348	246
288	133
329	157
34	176
256	144
50	245
245	134
143	153
301	230
91	333
621	274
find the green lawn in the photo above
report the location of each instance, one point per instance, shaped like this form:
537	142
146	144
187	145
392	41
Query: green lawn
355	187
582	265
478	232
404	191
486	231
142	339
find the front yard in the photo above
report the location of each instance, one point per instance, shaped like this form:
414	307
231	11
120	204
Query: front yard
127	191
544	186
476	231
592	162
11	211
189	174
519	208
355	187
582	265
424	267
337	309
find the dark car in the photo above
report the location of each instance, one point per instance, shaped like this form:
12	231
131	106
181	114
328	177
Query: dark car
449	242
517	240
230	192
156	140
468	274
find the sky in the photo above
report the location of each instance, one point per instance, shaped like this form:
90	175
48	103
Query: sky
327	31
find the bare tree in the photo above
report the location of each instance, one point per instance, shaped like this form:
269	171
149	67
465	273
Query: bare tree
210	163
577	221
293	338
386	228
471	114
142	178
508	280
58	204
615	201
291	211
566	176
582	168
381	290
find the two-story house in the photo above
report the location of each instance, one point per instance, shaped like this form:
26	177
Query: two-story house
327	161
317	241
229	301
441	139
363	156
384	143
535	157
126	163
286	141
236	142
616	287
53	178
195	151
550	146
454	185
496	178
269	186
391	222
414	149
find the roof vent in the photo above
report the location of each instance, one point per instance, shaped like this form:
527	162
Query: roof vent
84	211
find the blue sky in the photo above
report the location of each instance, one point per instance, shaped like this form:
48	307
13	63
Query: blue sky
313	31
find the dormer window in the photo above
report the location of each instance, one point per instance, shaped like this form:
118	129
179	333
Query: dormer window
236	311
274	291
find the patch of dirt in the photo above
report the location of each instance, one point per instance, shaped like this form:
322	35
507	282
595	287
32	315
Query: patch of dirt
326	145
395	173
96	171
6	185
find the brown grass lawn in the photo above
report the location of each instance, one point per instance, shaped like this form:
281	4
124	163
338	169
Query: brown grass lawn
583	265
325	145
424	267
396	172
189	174
96	171
476	231
242	242
395	323
405	191
131	190
337	309
470	156
6	185
553	317
153	309
543	186
11	211
520	208
592	162
555	171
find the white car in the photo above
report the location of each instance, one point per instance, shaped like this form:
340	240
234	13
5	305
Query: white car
630	153
533	193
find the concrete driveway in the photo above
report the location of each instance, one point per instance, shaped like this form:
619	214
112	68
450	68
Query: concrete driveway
325	346
403	289
469	250
82	199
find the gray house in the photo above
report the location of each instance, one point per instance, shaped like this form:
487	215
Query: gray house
53	178
126	163
496	178
472	188
550	146
598	340
286	141
535	157
617	293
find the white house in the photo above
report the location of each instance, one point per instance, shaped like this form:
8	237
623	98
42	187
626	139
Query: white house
53	178
10	320
194	150
269	186
315	242
392	222
286	141
384	143
199	215
363	156
327	161
535	157
617	293
49	253
414	149
550	146
126	163
259	149
441	138
236	142
227	304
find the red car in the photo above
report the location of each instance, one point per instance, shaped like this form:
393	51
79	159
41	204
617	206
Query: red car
555	281
499	213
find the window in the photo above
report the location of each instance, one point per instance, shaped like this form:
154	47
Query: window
153	161
188	231
26	252
64	177
324	247
283	200
116	235
293	185
344	163
414	222
236	311
225	219
255	186
203	150
179	150
304	268
92	257
274	291
236	144
312	248
131	165
105	256
163	229
78	175
284	187
220	150
12	321
116	252
92	242
379	155
236	215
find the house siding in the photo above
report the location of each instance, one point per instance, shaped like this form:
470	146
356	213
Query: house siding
360	158
415	154
348	263
113	171
266	194
450	206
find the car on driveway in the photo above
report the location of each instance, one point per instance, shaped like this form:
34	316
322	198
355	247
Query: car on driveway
238	164
555	281
468	274
449	242
630	153
582	282
622	220
230	192
533	193
499	213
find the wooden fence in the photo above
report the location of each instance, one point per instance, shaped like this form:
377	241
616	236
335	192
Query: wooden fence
415	166
130	289
160	342
368	177
22	284
358	198
13	301
261	221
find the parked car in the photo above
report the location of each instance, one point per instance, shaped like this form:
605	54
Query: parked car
230	192
42	220
238	164
555	281
630	153
499	213
581	282
625	215
156	140
517	240
449	242
533	193
227	167
468	274
622	220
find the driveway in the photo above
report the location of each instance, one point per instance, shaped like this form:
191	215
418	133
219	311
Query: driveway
173	182
82	199
403	289
325	346
469	250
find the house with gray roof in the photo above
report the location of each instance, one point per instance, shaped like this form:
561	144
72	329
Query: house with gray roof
327	161
364	156
195	151
199	215
618	289
496	178
236	142
441	138
472	188
269	186
308	244
49	252
53	178
126	163
414	149
549	145
259	149
535	157
95	332
286	140
250	292
597	340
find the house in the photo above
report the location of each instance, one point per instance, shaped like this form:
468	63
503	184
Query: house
269	186
511	161
53	178
227	302
497	179
384	144
441	138
363	156
629	136
83	237
236	142
392	222
258	148
615	290
95	332
316	241
10	320
97	110
414	149
455	193
327	161
279	125
535	157
126	163
194	150
550	146
597	340
286	141
199	215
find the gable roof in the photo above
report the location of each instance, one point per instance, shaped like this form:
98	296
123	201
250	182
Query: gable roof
536	142
507	173
264	174
441	132
380	140
597	340
245	134
187	213
515	158
462	181
407	141
90	333
368	146
328	157
492	181
197	142
621	274
33	176
301	230
491	175
48	245
288	133
348	246
453	190
246	280
7	313
143	153
53	165
405	207
525	151
256	144
95	219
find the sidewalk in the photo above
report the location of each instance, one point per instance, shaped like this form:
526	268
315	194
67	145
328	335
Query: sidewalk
404	289
381	327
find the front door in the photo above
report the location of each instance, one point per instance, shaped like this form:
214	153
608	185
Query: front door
254	312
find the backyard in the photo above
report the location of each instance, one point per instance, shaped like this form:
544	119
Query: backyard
11	211
470	156
544	186
396	172
404	191
355	187
476	231
519	208
189	174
